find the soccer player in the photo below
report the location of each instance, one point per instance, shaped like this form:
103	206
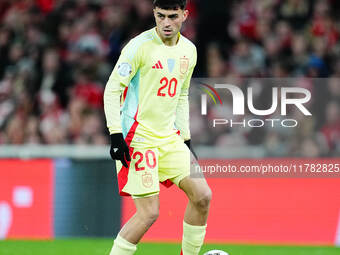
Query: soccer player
150	139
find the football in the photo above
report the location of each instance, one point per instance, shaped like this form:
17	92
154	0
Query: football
216	252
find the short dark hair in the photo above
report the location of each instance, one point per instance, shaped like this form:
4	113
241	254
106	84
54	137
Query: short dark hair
170	4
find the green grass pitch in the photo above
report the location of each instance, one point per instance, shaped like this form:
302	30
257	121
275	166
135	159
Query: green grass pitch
103	246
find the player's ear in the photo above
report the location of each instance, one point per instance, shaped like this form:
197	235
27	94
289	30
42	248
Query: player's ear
185	15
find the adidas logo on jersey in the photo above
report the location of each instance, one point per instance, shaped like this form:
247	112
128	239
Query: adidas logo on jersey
158	65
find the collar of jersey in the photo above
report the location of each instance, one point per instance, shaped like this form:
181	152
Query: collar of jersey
159	40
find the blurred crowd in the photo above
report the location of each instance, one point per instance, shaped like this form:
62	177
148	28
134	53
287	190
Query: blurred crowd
278	39
56	56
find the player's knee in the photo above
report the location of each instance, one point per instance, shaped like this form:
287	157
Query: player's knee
152	217
149	216
202	203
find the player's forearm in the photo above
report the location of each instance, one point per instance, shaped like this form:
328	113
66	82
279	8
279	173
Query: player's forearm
182	117
112	106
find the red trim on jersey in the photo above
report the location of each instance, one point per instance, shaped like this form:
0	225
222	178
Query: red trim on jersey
131	133
124	171
125	93
167	183
160	64
123	176
181	252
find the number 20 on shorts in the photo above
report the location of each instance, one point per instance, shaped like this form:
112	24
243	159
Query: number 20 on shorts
150	159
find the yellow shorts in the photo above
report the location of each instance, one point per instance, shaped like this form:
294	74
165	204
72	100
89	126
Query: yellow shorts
148	167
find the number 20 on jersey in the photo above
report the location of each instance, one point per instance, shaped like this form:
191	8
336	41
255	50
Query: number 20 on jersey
168	88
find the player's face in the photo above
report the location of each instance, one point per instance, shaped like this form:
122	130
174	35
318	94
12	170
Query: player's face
169	22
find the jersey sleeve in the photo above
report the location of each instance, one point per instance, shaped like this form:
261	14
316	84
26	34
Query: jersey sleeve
182	110
126	68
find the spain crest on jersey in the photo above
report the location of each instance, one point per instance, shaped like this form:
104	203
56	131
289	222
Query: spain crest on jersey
184	65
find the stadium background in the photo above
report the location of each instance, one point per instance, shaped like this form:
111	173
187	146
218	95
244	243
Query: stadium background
55	58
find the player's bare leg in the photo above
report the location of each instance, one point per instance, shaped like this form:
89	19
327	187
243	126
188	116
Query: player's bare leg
196	214
199	194
147	211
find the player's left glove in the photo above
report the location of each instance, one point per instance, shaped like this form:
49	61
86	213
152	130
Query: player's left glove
188	143
119	149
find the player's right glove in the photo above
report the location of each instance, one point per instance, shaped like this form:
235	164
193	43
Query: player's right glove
119	149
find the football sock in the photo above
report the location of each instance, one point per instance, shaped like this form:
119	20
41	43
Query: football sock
193	237
122	247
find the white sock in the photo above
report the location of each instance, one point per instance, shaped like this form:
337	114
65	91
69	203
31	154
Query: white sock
122	247
193	237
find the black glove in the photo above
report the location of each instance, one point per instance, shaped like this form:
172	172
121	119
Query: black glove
187	142
119	149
